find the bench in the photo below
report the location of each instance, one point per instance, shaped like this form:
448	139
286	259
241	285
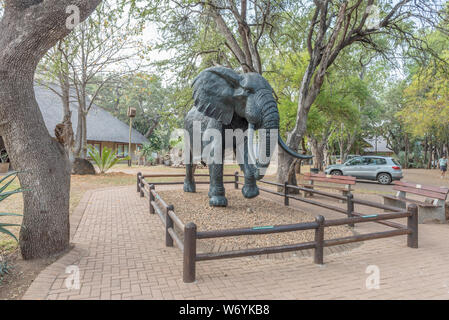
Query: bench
340	183
430	210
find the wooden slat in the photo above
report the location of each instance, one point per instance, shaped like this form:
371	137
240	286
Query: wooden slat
420	203
322	175
321	186
331	180
175	237
254	252
270	191
385	223
176	220
423	187
363	237
158	211
256	230
319	204
420	192
367	218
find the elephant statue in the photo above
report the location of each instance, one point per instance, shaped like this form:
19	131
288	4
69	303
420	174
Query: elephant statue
225	99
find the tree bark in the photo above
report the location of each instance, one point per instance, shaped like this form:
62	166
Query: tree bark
28	29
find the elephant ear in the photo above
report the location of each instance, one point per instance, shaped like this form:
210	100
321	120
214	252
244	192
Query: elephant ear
214	92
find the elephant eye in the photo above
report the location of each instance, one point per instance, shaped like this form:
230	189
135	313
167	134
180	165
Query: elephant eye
250	90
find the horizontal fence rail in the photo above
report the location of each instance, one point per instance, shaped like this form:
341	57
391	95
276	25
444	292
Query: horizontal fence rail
186	241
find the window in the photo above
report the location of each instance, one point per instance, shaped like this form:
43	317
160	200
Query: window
395	162
122	150
355	162
96	146
367	161
380	161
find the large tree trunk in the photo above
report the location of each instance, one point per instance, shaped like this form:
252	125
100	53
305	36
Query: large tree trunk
43	165
318	153
28	29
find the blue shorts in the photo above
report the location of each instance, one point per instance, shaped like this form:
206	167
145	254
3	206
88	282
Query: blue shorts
443	168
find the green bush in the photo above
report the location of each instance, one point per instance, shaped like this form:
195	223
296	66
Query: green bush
106	160
5	182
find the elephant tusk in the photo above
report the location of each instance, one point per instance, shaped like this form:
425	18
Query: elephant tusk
291	152
252	159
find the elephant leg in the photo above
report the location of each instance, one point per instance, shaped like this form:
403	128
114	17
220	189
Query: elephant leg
189	181
250	189
217	190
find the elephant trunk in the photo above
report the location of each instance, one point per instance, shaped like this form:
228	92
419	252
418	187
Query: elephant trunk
270	123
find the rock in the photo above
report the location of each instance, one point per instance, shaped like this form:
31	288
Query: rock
82	167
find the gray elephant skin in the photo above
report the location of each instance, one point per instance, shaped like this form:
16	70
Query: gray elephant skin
225	99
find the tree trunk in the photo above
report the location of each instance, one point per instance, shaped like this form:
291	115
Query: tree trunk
43	165
28	29
79	134
318	153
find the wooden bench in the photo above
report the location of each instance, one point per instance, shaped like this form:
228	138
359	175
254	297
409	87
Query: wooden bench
430	210
340	183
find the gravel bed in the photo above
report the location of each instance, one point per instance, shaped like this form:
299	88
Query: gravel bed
240	213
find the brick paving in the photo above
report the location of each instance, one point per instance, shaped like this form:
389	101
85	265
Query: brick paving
120	252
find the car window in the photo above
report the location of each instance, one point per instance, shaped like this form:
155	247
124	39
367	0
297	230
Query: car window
355	162
395	162
367	161
379	161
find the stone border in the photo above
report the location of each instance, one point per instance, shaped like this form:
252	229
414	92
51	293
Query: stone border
39	288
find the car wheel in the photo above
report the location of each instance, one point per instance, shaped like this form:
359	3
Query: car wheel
336	173
384	178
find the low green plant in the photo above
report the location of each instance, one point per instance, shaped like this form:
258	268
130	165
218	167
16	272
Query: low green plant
106	160
5	268
5	182
3	156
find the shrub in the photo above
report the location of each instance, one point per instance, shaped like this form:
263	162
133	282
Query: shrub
106	160
3	156
5	182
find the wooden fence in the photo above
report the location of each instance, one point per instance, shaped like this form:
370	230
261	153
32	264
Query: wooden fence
187	241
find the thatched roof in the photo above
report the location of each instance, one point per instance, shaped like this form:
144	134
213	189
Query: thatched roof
101	125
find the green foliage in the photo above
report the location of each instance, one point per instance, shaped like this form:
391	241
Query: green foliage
3	156
5	182
106	160
5	268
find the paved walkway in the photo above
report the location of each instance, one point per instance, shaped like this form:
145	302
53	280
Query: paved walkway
120	253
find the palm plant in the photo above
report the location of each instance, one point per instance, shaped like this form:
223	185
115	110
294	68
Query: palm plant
3	156
4	184
106	160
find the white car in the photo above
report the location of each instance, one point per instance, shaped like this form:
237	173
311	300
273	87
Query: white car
382	169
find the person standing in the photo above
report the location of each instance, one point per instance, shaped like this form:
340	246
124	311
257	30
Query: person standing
443	166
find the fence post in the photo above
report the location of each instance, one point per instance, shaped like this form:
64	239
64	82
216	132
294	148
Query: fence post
319	240
236	180
168	225
142	186
286	200
412	225
138	181
189	252
350	207
151	198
